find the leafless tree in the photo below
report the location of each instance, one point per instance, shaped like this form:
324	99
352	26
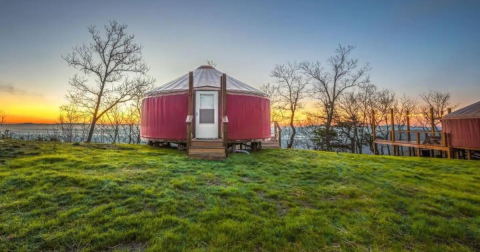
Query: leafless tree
132	121
114	119
367	99
308	128
405	103
68	121
329	86
386	100
211	63
113	72
3	118
350	121
277	114
289	89
440	102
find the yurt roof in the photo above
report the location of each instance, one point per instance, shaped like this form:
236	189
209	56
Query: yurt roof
205	76
470	111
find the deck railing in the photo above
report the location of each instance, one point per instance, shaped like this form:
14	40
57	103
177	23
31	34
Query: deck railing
277	133
432	140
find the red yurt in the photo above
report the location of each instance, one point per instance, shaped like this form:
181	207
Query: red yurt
165	110
463	127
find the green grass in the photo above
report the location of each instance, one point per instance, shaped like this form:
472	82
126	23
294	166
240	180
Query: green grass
66	197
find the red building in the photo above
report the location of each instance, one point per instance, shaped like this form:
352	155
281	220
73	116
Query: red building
463	128
165	109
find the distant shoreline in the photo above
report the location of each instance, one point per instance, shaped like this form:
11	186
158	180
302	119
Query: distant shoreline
30	123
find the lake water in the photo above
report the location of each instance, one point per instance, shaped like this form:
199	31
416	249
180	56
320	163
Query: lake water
33	131
103	133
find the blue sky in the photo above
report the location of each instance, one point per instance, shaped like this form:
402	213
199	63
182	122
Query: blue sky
412	46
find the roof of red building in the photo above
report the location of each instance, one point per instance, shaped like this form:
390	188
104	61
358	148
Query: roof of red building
470	111
205	76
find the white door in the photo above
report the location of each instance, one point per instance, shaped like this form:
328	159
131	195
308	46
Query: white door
206	114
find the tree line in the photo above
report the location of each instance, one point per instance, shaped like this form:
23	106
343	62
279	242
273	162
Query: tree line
343	99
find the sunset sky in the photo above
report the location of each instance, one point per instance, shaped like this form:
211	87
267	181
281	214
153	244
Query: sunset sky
412	46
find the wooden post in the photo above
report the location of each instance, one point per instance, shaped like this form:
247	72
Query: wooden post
469	154
190	93
279	135
223	85
224	96
417	139
225	135
392	122
392	134
374	133
189	133
220	94
408	133
190	111
254	146
432	119
275	129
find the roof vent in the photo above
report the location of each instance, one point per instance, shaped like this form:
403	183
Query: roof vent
206	67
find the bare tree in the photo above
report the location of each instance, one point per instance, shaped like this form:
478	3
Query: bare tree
440	102
329	86
276	112
211	63
114	119
308	128
116	68
68	120
3	118
367	101
350	121
386	100
132	121
290	87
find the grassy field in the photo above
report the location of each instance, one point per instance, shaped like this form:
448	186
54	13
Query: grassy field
66	197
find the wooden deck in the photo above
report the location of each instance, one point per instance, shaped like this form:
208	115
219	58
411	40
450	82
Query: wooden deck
413	144
433	140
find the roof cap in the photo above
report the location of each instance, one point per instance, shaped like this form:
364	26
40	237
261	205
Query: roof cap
205	67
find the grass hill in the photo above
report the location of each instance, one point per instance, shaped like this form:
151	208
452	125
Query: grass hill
94	197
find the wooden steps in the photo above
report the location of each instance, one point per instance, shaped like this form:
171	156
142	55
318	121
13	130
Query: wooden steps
207	149
272	144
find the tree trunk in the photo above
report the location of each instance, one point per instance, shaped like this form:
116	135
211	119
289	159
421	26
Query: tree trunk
328	126
115	135
92	129
292	136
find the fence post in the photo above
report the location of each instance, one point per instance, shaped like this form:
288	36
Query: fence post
374	133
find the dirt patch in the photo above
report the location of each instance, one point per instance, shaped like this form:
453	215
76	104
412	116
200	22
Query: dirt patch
132	246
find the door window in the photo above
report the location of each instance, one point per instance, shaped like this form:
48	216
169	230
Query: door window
207	108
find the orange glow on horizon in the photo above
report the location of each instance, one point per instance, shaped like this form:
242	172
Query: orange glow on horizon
28	109
19	119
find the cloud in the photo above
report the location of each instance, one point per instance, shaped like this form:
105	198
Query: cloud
9	89
12	90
